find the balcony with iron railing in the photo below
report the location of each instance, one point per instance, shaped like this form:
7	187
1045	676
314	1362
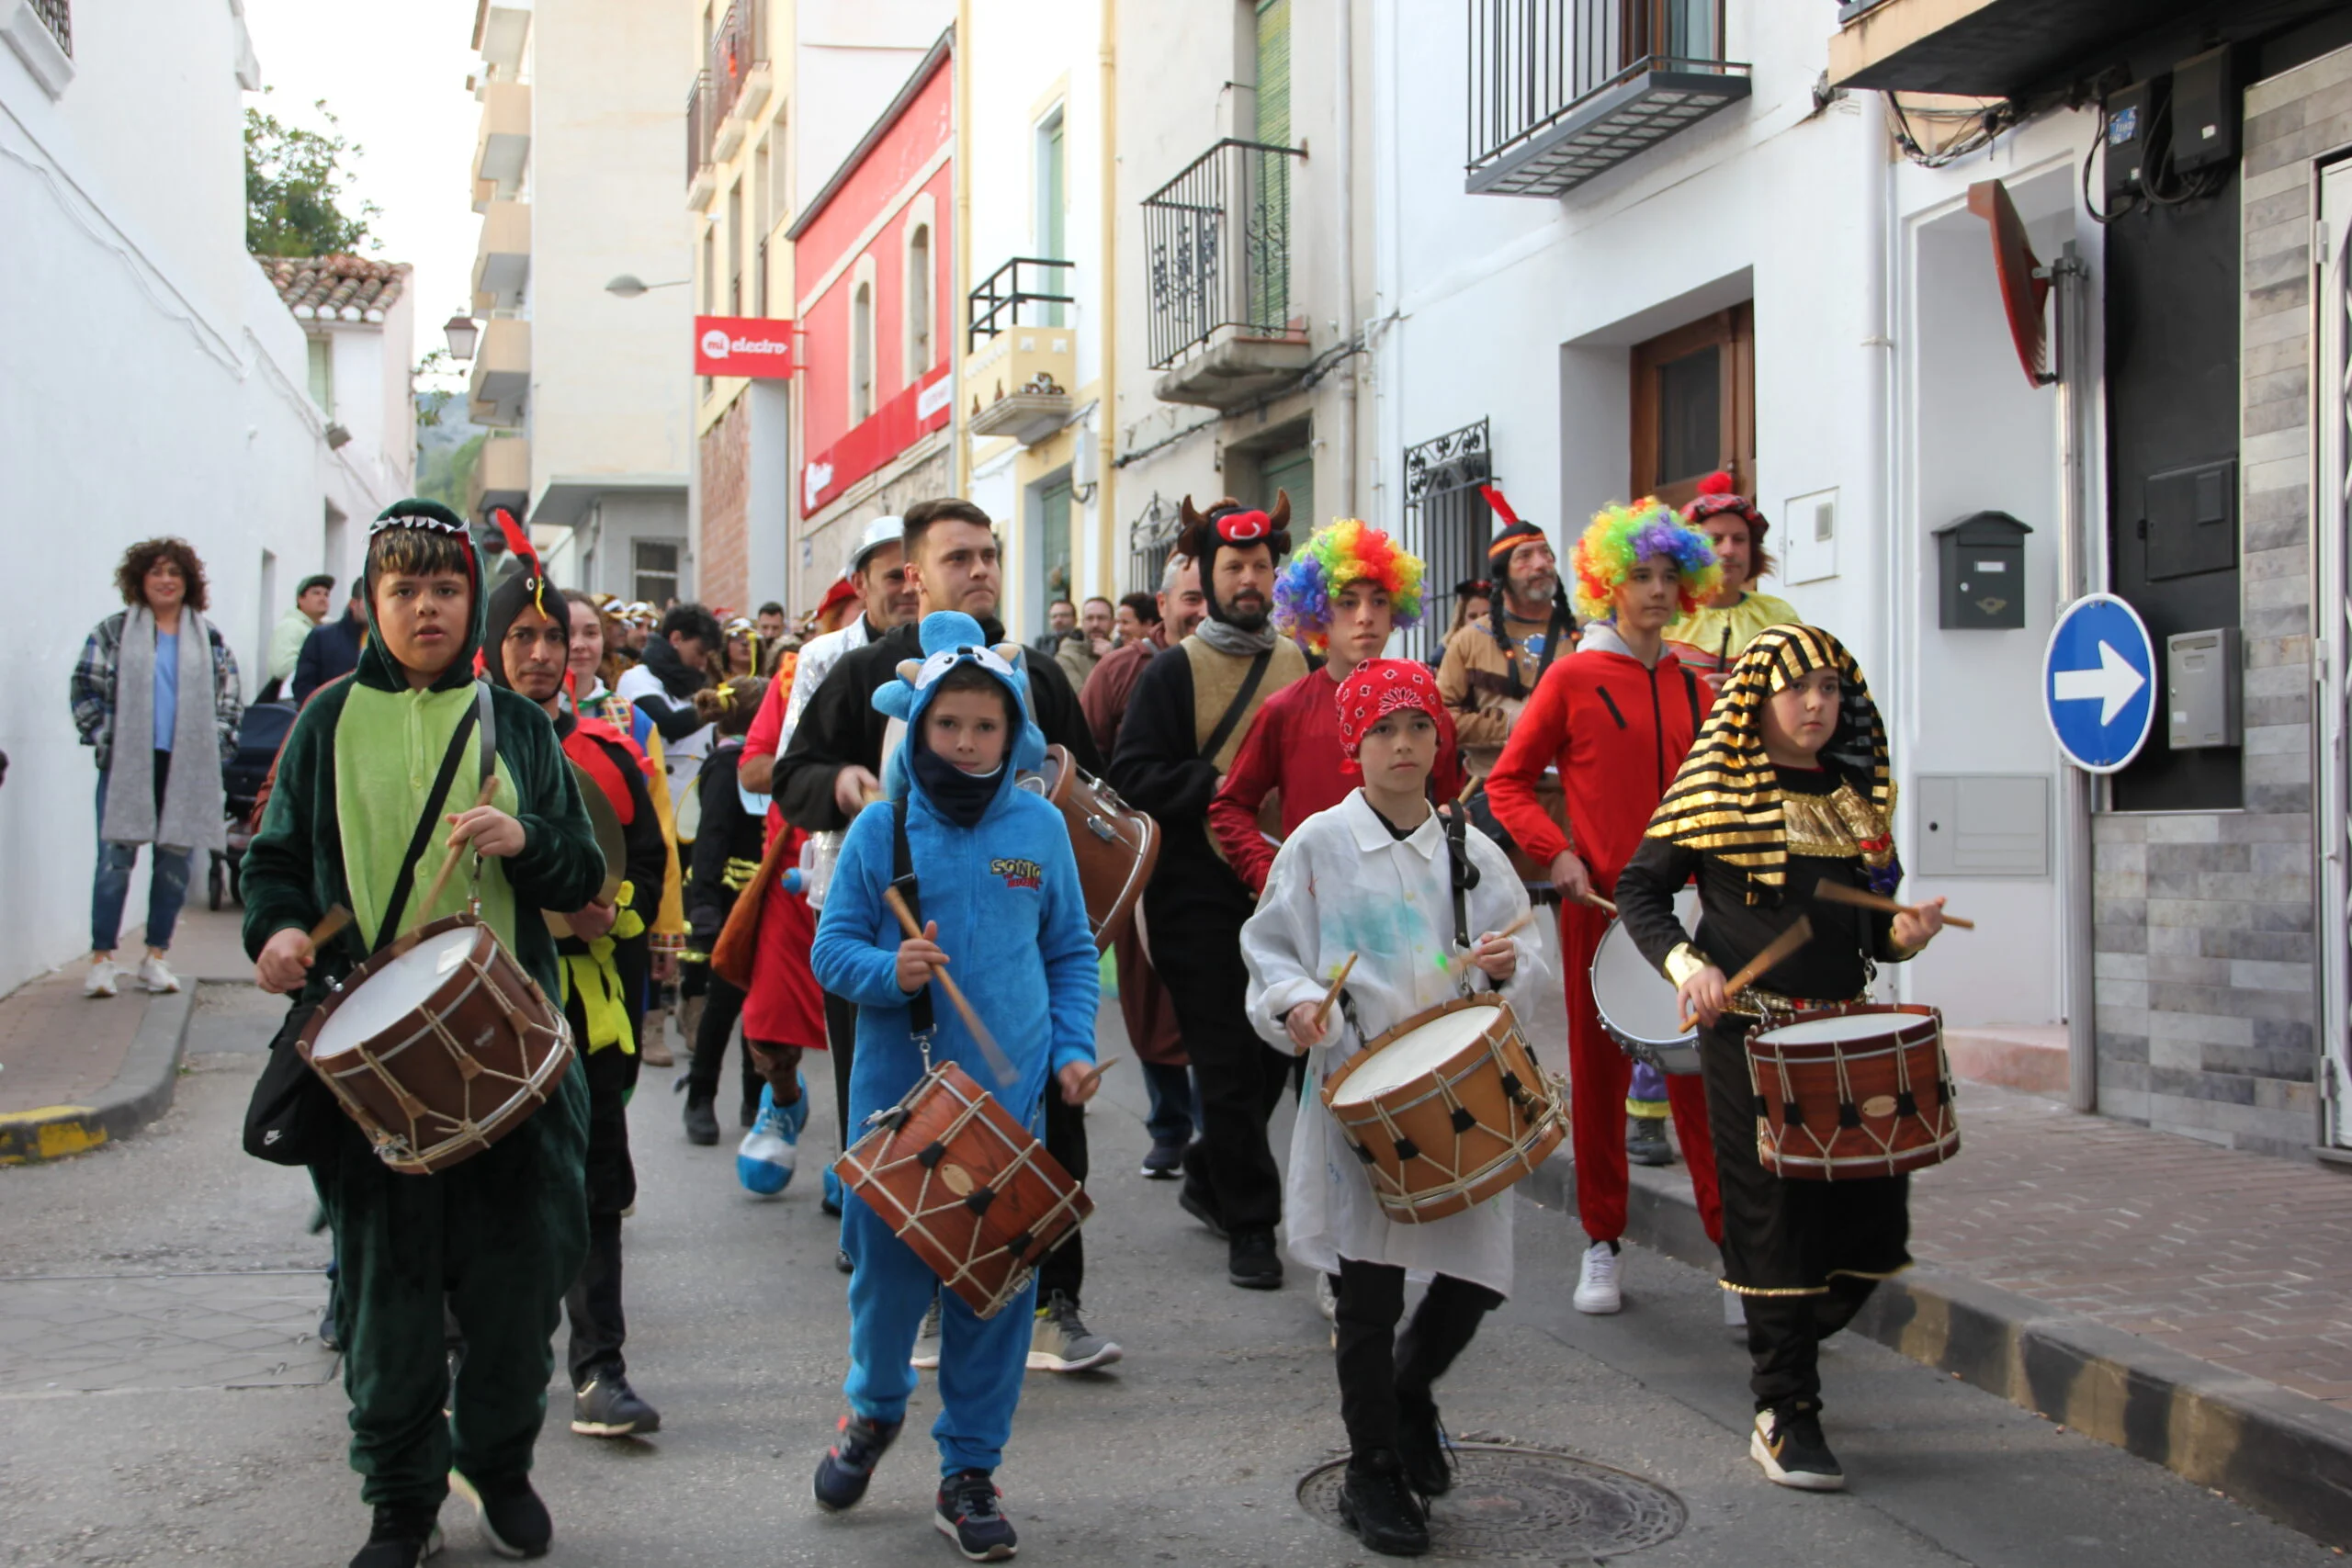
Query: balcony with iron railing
737	67
1991	49
1561	91
1216	240
702	177
1021	372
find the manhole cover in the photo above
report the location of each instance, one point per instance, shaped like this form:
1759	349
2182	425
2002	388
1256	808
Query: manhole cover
1509	1502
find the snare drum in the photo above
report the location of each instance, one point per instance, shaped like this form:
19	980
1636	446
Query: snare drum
1639	1006
965	1186
1447	1108
1115	845
1852	1091
438	1046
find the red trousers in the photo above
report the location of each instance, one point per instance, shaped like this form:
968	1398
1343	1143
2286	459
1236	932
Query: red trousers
785	1007
1599	1074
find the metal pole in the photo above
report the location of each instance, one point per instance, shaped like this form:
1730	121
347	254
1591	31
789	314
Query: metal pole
2081	570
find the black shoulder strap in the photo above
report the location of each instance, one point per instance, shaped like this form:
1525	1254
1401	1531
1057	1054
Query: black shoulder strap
1464	877
1553	630
902	878
475	718
1690	690
1240	705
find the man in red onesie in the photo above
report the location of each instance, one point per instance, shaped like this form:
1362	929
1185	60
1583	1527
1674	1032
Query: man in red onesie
1616	718
1348	588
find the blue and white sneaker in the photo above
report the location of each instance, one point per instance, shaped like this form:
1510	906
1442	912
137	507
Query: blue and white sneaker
765	1158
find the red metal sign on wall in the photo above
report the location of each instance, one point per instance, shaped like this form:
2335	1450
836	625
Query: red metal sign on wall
742	345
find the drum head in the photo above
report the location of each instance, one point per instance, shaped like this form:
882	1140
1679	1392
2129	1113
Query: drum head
1635	1001
607	824
392	992
1415	1056
685	817
1838	1031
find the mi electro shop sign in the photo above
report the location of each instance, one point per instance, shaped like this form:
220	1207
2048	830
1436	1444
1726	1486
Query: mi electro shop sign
742	345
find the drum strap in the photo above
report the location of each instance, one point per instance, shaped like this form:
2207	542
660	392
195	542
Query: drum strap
1464	877
902	878
476	719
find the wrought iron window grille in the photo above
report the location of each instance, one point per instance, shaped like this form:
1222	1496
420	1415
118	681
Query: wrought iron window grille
1562	90
1216	240
699	121
995	305
736	48
57	16
1447	524
1151	539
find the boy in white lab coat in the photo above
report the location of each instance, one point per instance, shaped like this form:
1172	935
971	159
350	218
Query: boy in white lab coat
1373	876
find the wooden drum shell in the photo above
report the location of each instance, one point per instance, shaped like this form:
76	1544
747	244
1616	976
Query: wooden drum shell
1458	1133
1873	1105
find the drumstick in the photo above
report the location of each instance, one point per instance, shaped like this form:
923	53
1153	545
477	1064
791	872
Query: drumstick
449	861
1475	781
1094	1074
335	919
1839	893
999	1063
1598	902
1332	996
1780	947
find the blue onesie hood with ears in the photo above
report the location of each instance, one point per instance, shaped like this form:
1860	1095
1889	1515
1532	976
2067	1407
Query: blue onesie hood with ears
949	638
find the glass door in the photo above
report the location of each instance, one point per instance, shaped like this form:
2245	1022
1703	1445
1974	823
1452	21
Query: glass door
2332	825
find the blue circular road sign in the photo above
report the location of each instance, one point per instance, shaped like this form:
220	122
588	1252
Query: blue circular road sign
2099	682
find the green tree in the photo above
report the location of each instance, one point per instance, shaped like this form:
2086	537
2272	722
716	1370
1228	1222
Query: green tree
297	197
446	474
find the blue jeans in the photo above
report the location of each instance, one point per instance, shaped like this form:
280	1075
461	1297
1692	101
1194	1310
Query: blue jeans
166	886
1174	1111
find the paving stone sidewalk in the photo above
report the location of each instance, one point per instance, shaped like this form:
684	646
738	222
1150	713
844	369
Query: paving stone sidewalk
2243	1260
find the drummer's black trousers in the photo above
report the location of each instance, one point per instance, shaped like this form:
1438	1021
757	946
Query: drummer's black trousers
1385	1377
1231	1170
1803	1256
1064	1269
599	1325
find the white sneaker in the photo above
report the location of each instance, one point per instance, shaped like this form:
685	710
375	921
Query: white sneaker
155	977
1327	1300
926	1356
1597	1290
101	979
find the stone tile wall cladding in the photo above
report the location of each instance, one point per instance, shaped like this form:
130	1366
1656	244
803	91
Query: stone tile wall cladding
2205	979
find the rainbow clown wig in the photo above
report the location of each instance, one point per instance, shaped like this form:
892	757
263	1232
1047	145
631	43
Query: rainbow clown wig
1348	551
1618	536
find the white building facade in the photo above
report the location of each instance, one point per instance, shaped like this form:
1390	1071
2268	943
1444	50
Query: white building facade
161	386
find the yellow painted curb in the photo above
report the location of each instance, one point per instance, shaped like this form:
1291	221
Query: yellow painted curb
53	1132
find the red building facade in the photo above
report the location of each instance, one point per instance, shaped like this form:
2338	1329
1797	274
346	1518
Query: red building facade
874	256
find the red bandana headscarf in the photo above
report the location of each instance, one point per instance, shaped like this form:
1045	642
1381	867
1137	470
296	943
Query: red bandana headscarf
1378	687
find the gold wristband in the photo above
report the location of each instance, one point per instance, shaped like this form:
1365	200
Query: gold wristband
1684	962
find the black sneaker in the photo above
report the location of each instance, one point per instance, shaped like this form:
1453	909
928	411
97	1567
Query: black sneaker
608	1407
1645	1141
404	1535
1166	1160
702	1122
751	1115
1251	1262
969	1516
1422	1449
1202	1207
1789	1445
841	1260
1375	1502
847	1468
513	1521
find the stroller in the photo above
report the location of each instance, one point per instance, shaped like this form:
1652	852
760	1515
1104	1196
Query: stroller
259	736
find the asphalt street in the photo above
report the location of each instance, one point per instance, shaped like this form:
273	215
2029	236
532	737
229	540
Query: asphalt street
160	1401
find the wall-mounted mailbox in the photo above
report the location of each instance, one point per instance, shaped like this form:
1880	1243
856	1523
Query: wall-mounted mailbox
1981	824
2201	687
1981	561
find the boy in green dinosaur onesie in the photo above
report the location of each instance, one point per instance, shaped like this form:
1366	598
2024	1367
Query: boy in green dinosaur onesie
501	1235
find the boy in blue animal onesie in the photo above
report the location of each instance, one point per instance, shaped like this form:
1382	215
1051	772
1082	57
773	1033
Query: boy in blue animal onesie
998	891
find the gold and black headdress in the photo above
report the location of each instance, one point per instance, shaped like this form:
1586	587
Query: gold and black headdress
1726	799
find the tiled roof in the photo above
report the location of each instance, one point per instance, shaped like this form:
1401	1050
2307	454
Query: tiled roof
327	288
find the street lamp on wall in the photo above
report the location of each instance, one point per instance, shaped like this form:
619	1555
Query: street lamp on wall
629	286
462	333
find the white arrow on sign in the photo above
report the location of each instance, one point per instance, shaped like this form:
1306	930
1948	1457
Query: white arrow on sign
2113	685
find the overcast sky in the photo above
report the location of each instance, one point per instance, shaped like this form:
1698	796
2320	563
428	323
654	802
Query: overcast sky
396	75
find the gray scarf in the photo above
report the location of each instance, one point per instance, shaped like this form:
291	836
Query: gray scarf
193	802
1226	638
